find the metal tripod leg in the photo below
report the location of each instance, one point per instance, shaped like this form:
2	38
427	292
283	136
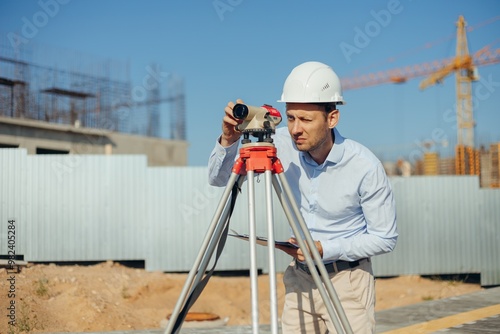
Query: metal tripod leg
253	252
331	300
271	253
206	251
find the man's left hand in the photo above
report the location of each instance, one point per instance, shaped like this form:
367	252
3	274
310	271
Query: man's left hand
297	252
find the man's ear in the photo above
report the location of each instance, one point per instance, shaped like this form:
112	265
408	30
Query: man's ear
333	118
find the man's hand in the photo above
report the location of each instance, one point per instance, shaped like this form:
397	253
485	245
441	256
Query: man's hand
229	133
297	252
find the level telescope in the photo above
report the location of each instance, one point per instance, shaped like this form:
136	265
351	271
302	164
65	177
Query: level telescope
259	122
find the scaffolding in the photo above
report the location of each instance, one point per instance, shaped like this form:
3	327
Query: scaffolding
495	165
83	91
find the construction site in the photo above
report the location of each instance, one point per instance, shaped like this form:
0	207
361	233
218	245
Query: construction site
109	214
89	106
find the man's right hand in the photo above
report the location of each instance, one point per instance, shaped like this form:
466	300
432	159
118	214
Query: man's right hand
229	133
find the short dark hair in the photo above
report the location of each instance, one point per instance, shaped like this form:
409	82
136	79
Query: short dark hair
328	106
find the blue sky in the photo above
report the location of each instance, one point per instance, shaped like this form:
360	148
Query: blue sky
228	49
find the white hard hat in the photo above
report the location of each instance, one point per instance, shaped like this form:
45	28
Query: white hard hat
312	82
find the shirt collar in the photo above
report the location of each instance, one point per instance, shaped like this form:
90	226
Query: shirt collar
336	153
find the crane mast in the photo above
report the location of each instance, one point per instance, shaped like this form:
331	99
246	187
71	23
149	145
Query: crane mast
465	120
463	67
464	77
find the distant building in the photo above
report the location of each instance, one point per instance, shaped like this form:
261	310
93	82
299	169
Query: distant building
48	138
431	160
446	166
495	165
404	168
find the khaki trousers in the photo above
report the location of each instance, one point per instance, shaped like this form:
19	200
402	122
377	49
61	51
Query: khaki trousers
304	310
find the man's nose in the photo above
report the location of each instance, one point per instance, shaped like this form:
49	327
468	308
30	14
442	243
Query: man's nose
296	128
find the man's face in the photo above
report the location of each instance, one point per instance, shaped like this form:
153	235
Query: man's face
310	126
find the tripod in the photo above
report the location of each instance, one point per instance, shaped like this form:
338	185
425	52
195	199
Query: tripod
259	157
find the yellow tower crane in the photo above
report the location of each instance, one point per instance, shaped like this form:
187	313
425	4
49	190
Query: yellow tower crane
464	66
466	157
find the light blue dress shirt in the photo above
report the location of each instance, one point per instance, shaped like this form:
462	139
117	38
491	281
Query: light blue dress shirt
347	201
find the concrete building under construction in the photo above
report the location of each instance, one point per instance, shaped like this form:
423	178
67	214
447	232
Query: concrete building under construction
75	108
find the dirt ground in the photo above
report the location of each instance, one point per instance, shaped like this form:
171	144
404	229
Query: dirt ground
109	296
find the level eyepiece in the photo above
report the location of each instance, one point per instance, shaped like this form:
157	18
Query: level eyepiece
240	111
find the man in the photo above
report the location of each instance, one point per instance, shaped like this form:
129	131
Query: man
343	194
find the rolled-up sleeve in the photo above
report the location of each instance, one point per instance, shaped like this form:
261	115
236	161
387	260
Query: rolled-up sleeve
220	164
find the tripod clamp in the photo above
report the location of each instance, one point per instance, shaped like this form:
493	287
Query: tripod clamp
258	157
